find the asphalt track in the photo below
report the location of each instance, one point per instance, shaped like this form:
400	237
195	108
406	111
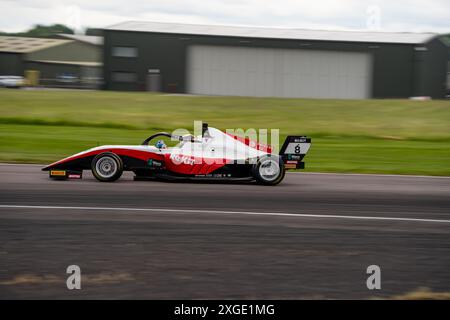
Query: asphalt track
311	237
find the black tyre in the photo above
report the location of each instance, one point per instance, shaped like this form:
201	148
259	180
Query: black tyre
269	170
107	167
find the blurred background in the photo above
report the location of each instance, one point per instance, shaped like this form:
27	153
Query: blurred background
372	89
368	81
369	84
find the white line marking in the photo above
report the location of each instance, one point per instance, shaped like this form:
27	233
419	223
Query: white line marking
279	214
290	172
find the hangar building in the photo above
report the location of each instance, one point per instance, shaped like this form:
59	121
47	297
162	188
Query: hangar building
269	62
55	59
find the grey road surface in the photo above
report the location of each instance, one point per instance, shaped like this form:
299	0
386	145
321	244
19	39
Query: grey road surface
311	237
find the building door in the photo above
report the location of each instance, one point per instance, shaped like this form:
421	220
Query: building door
267	72
154	80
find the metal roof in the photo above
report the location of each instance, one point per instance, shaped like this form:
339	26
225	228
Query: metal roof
26	45
75	63
274	33
97	41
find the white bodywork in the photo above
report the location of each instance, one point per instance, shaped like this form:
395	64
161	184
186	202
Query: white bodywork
216	145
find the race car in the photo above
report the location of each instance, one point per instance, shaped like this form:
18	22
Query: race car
213	155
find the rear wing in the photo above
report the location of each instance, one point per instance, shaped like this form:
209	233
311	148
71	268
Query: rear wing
294	150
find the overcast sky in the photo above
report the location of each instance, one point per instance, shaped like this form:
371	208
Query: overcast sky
383	15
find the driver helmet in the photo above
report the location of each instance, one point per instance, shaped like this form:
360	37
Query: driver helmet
160	144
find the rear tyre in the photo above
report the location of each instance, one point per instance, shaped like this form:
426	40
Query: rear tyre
269	170
107	167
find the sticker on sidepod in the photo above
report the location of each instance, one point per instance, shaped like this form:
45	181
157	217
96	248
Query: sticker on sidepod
182	159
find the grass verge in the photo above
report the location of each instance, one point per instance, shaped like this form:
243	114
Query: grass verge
360	136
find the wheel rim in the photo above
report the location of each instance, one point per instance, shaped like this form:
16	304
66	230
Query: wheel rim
106	167
269	170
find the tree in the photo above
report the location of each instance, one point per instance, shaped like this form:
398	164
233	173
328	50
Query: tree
41	31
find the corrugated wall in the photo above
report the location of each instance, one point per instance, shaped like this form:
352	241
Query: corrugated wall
393	66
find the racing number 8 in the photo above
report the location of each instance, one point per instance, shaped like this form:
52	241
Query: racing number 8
297	149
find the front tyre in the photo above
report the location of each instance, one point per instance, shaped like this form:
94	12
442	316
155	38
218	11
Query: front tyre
269	170
107	167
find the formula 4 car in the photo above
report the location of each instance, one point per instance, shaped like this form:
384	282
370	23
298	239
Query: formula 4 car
213	155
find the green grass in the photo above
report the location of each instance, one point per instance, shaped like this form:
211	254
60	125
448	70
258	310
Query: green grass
370	136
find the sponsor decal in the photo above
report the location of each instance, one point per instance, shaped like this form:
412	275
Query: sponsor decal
154	163
182	159
290	166
221	175
74	176
293	157
59	173
291	161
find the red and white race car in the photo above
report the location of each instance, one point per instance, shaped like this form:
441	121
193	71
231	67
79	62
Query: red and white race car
213	155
